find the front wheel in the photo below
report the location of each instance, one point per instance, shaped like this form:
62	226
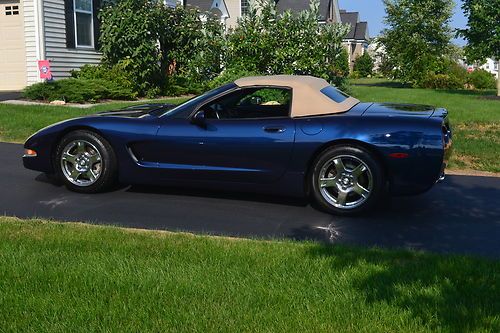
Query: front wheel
85	162
347	180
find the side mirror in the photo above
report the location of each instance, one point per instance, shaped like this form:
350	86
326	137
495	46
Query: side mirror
199	119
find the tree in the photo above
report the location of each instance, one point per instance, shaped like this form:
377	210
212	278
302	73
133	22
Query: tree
364	65
483	31
418	36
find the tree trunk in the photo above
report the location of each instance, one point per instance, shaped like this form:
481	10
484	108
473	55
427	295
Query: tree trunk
498	80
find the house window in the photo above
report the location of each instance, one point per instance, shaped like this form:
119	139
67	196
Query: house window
84	23
245	7
11	10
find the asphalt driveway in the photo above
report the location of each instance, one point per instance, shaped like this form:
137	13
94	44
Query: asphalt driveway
460	215
7	95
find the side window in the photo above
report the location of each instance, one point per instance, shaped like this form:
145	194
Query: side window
251	103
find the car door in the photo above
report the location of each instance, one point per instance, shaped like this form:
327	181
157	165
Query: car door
239	137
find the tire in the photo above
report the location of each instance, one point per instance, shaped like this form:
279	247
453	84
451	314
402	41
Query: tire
347	180
85	162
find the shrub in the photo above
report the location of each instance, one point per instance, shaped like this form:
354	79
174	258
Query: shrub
481	79
268	42
230	75
117	74
77	91
441	81
363	65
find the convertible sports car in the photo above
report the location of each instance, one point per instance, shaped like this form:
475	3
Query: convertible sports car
292	135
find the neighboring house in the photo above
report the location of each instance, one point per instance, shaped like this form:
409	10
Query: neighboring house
62	31
490	66
230	10
358	38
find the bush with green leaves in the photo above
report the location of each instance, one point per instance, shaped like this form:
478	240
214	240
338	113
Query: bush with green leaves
157	42
417	38
118	74
481	79
441	81
77	91
268	42
363	65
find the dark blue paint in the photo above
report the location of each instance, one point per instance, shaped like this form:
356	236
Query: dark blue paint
161	145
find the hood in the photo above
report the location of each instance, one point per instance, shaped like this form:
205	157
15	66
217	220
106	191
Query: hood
392	109
136	111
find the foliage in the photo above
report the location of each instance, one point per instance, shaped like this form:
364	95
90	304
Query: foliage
481	79
117	74
418	36
129	32
78	91
230	75
267	42
483	29
441	81
363	65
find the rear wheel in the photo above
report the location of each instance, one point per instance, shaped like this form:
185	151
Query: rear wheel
347	180
85	162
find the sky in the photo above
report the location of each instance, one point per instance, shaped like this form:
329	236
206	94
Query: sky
373	12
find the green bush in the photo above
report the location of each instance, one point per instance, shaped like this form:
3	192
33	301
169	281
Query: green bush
481	79
363	65
78	91
230	75
118	74
441	81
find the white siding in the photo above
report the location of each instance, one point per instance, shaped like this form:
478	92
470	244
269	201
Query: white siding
30	40
62	59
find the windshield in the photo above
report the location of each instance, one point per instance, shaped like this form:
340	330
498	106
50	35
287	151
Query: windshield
189	104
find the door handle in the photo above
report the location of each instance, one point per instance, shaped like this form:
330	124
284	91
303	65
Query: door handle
274	129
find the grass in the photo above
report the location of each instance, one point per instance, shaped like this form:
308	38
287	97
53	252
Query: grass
475	120
79	278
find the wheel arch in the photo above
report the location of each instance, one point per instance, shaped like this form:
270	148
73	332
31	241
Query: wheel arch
343	142
68	130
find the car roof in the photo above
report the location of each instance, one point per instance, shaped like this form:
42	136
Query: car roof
307	99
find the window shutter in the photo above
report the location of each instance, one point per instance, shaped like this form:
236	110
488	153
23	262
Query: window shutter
96	5
70	24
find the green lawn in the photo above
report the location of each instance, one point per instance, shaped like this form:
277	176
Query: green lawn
476	120
79	278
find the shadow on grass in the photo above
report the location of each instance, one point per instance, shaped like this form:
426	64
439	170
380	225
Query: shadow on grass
456	294
385	84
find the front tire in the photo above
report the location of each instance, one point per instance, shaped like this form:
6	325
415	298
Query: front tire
85	162
347	180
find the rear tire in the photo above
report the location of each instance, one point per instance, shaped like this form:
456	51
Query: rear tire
347	180
85	162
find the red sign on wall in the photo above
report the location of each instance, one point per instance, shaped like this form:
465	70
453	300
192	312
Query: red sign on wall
44	69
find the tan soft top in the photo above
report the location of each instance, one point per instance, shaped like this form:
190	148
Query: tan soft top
308	100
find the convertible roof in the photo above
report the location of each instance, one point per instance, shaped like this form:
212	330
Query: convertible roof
307	100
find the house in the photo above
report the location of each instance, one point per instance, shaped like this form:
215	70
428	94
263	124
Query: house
62	31
358	38
230	10
491	66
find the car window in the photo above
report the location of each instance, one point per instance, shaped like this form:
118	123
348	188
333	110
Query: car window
251	103
334	94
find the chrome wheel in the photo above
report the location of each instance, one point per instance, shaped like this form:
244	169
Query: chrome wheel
81	163
345	182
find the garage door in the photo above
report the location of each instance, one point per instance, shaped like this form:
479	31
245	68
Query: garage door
12	52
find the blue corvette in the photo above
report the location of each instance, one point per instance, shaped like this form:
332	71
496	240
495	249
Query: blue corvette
292	135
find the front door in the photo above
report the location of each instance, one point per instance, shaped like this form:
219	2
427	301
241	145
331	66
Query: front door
245	136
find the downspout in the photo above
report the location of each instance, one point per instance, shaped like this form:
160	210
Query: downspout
39	31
